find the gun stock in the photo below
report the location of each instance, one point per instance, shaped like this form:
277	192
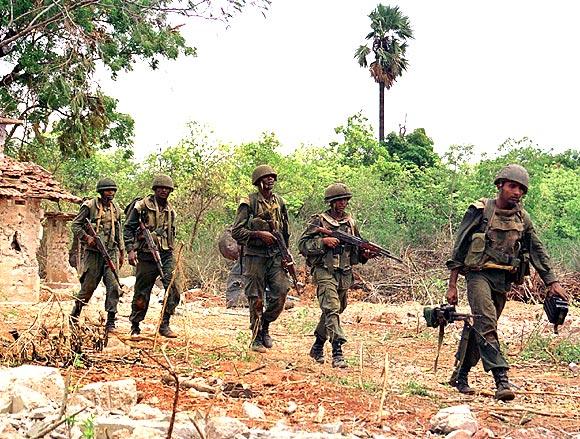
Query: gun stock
287	259
152	247
103	250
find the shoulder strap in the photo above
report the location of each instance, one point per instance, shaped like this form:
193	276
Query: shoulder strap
488	213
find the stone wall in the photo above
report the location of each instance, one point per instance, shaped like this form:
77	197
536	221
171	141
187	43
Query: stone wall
56	242
20	234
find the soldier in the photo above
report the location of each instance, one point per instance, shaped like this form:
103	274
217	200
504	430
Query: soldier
261	259
494	240
155	212
105	216
331	264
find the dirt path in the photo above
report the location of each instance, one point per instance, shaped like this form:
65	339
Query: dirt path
213	344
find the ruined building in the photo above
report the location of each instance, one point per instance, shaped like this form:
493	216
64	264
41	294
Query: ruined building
23	185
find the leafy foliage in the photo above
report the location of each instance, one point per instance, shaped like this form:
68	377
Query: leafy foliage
50	52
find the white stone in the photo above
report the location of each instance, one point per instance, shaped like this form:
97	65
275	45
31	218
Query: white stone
144	411
291	407
111	395
146	433
459	434
252	411
224	427
332	428
454	418
45	380
25	399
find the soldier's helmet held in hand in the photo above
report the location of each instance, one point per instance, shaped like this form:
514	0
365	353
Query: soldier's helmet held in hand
105	184
262	171
515	173
337	191
162	181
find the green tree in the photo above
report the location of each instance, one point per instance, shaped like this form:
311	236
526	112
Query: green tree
360	146
50	50
415	147
390	30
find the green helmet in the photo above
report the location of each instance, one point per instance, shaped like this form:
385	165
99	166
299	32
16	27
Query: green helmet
336	191
162	181
106	184
515	173
262	171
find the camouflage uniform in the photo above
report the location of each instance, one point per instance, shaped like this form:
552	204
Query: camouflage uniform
106	220
161	222
261	263
489	235
331	270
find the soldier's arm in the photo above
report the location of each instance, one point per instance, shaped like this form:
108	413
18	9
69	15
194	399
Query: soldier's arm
310	243
78	224
130	230
468	226
540	259
240	231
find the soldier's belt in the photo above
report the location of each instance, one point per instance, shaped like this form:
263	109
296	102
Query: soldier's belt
492	266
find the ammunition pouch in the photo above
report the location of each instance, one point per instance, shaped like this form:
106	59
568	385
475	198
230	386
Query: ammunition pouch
476	253
523	269
556	310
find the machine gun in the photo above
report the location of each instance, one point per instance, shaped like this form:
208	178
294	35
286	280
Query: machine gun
103	250
358	242
440	316
287	259
152	247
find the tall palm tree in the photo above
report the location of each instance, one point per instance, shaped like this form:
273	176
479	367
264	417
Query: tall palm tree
390	32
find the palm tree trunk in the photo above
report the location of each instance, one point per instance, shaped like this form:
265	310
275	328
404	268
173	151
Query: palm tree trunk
381	111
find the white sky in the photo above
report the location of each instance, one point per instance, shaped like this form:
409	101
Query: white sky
479	72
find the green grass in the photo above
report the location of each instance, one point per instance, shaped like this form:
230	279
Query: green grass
412	387
547	349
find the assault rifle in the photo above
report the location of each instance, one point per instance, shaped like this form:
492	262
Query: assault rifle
358	242
152	247
287	259
103	250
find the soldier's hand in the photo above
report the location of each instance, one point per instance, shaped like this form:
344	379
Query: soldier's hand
266	237
557	290
331	242
121	258
369	254
90	240
452	295
132	257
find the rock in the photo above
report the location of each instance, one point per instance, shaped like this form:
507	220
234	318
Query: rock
144	411
44	380
320	415
453	418
532	433
332	428
224	427
111	395
252	411
106	427
459	434
484	433
291	407
25	399
196	394
153	400
41	413
7	431
145	433
198	384
573	367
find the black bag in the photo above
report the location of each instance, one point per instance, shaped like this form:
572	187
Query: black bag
556	310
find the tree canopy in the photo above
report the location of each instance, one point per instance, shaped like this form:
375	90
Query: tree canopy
50	50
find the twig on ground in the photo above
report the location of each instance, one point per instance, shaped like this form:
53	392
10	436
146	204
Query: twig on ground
384	390
255	369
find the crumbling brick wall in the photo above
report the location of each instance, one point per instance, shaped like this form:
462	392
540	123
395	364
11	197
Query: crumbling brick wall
20	234
56	243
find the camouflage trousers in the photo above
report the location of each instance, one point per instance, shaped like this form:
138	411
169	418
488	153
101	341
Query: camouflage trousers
146	275
331	292
259	272
486	293
93	269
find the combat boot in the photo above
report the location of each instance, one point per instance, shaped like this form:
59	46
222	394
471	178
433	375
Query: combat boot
502	384
135	330
165	330
266	339
110	324
337	357
317	349
76	312
459	380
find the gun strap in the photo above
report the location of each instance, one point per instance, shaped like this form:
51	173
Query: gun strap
439	344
